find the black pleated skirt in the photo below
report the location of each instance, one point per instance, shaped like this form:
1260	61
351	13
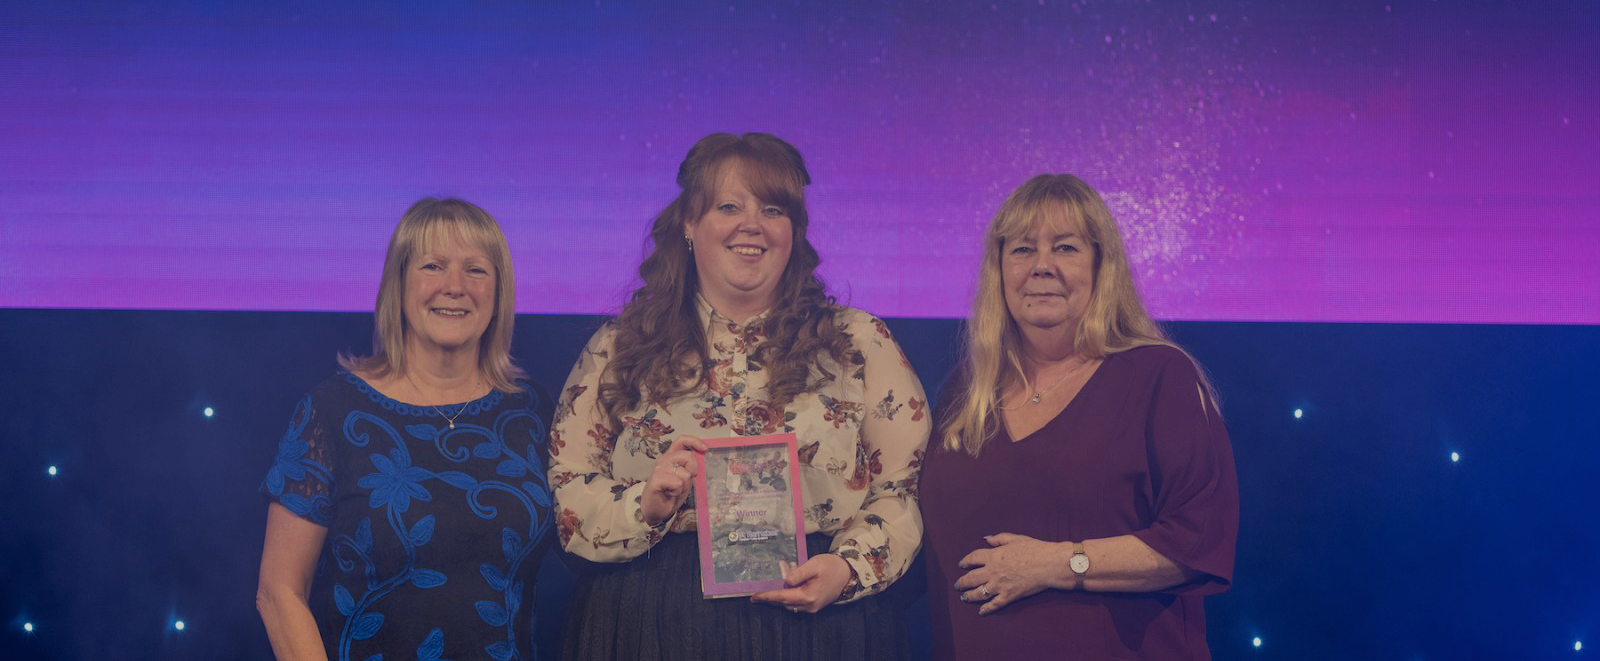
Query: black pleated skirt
651	609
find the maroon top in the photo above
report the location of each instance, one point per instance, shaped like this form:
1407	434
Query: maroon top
1135	452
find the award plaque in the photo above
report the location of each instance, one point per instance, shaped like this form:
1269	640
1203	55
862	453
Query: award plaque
747	498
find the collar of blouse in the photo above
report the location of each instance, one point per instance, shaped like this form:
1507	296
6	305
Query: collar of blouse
709	316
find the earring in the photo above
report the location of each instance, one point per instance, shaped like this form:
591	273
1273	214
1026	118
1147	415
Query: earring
689	241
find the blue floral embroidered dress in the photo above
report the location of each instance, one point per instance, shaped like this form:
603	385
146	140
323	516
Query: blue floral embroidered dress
434	533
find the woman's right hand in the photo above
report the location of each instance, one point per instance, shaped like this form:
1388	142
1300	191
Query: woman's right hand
671	481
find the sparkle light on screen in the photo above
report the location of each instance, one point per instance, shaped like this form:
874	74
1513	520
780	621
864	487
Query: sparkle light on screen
1370	161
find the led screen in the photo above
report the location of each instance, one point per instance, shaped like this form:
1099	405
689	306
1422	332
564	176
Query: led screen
1269	161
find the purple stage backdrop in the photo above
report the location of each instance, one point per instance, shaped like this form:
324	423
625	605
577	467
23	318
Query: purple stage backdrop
1410	161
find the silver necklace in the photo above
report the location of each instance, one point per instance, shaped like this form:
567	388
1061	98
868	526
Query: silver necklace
1039	394
447	418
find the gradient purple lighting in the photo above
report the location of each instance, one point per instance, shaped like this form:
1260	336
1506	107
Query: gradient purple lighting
1401	162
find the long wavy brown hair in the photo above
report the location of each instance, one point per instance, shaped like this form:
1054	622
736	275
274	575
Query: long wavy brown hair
660	349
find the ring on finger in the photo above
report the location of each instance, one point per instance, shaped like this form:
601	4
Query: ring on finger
985	591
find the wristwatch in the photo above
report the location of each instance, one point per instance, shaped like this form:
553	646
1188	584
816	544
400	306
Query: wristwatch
1079	564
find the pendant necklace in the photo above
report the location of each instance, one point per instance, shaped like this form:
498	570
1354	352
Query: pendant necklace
447	418
1038	394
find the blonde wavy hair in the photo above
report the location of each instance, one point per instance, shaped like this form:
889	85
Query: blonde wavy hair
419	227
660	347
1115	319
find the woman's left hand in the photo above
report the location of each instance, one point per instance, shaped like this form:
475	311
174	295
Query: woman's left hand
812	586
1016	567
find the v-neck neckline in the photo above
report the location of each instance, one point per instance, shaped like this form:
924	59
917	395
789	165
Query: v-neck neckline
1055	419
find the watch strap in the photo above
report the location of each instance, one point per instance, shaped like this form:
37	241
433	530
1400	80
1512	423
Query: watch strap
1077	550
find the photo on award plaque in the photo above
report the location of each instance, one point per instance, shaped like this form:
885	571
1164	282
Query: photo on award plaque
747	498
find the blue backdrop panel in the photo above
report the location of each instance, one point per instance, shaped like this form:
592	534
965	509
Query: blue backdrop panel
1361	538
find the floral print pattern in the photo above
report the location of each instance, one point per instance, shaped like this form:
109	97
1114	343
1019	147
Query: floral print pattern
419	512
861	438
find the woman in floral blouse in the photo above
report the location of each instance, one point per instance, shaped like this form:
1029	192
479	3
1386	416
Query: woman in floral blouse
732	334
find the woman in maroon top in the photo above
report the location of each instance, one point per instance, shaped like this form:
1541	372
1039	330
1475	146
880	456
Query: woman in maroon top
1080	496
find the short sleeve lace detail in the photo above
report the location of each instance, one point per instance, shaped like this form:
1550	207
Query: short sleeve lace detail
300	478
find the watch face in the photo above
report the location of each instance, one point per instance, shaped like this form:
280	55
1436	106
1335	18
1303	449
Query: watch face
1078	563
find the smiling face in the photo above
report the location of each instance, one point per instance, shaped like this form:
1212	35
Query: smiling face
449	295
741	246
1047	274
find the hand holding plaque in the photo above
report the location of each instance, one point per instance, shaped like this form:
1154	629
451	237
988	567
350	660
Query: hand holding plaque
747	498
812	586
669	482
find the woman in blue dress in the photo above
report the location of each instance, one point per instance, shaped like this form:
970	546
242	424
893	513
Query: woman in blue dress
409	506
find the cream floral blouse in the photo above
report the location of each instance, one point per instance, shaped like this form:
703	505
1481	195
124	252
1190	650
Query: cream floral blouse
861	440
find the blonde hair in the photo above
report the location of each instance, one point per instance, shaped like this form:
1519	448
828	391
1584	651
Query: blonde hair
660	341
1115	319
419	226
